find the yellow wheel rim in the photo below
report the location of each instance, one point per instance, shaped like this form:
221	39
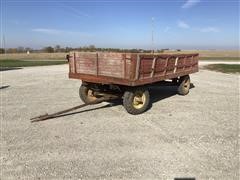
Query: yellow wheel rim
187	84
139	100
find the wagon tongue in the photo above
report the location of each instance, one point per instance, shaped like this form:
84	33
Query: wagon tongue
46	116
40	118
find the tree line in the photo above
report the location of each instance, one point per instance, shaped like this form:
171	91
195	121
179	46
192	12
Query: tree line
58	48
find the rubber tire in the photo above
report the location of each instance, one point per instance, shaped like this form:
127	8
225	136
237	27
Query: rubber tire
175	81
128	97
83	90
182	90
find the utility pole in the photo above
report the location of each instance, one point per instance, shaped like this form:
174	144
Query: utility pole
4	44
152	34
2	37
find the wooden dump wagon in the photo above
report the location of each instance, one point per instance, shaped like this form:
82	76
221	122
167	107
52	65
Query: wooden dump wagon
129	75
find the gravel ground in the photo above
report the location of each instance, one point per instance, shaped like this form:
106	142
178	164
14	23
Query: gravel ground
180	136
207	62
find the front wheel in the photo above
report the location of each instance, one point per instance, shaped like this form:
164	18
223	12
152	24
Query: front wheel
136	101
184	85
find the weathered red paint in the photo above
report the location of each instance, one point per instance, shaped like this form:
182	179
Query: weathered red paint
130	69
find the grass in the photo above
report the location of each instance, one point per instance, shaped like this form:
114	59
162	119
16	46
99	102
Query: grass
218	55
220	58
22	63
225	68
211	53
34	56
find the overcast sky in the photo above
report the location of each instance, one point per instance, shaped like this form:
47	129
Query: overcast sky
183	24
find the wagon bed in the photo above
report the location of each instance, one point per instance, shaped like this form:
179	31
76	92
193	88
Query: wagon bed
130	69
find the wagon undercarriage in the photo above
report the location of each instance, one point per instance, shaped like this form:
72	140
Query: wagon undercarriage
130	75
135	100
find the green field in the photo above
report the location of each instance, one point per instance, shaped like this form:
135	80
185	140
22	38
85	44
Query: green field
34	56
225	68
219	59
23	63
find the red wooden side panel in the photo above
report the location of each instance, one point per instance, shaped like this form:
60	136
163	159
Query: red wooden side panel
111	64
145	68
195	62
86	63
180	64
71	64
170	65
154	66
116	65
130	69
160	66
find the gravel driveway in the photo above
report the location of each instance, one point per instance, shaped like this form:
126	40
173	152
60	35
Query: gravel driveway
207	62
180	136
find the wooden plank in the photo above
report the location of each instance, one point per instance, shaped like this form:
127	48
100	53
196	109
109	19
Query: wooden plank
128	69
74	61
165	66
110	64
71	64
86	63
184	63
97	64
153	67
100	79
176	62
113	80
137	67
133	65
125	66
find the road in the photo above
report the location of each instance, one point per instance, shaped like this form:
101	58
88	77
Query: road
180	136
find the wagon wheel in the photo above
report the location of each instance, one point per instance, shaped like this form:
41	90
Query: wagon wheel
136	101
184	85
175	81
86	94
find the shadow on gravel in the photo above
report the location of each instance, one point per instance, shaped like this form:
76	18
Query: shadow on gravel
9	68
158	93
4	87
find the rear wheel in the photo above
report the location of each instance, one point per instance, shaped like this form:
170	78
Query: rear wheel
175	81
184	85
86	94
136	101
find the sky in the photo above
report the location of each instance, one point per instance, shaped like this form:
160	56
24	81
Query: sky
174	24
